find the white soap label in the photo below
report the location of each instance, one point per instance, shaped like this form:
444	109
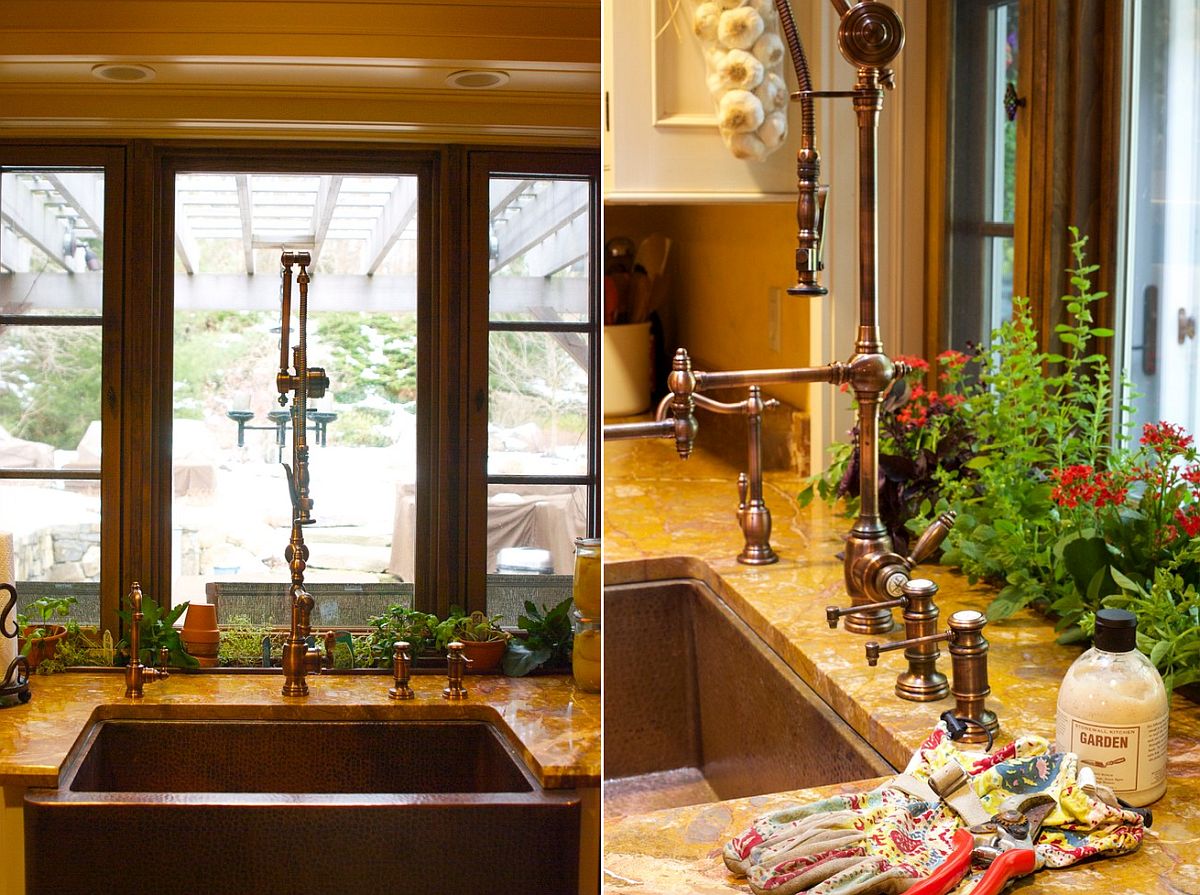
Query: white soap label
1128	758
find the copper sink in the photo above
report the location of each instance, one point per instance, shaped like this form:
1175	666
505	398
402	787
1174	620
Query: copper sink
242	806
697	708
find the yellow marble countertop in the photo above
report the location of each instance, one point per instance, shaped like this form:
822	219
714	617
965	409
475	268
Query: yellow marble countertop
553	726
665	518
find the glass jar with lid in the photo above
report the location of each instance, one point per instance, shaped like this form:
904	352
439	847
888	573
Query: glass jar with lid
585	654
586	590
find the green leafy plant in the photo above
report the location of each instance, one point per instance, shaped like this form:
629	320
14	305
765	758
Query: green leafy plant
923	436
77	649
158	631
1033	413
475	627
1168	612
37	622
547	642
400	623
241	642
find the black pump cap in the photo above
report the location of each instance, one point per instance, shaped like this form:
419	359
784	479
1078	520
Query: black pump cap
1116	630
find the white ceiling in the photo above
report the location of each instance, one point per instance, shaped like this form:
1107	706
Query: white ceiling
360	68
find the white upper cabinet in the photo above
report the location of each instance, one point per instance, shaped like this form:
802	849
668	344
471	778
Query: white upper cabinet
661	139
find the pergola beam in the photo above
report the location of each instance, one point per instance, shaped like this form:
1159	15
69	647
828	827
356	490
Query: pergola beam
550	230
394	218
185	243
327	197
85	192
247	211
30	215
237	292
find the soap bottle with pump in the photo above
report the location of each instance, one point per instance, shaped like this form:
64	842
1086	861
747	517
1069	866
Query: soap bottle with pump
1112	712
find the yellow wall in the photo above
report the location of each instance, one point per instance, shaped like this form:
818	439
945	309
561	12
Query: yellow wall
725	259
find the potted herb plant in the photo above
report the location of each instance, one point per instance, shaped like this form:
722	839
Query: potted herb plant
158	631
484	642
40	637
547	644
400	623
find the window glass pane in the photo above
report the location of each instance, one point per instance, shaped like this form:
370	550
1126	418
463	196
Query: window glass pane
531	544
982	185
1163	249
51	241
50	420
232	511
538	403
50	396
539	238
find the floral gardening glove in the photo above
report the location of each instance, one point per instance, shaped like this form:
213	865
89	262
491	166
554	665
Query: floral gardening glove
1086	821
873	842
884	840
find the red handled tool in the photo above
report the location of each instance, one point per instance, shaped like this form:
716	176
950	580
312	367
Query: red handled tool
1004	844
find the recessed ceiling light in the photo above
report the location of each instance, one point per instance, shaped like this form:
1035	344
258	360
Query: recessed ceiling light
122	71
477	79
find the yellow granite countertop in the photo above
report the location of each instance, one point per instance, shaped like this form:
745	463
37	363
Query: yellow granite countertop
554	726
665	518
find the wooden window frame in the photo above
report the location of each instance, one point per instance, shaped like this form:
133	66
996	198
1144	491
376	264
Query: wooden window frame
481	167
114	323
136	475
1068	155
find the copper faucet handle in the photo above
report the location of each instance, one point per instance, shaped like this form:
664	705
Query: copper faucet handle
318	382
456	664
401	670
931	538
833	613
164	657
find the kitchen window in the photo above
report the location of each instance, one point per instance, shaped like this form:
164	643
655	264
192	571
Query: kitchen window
1160	237
231	436
980	183
183	319
534	297
60	281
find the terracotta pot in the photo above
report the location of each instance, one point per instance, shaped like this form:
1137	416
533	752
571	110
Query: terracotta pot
45	647
201	636
485	655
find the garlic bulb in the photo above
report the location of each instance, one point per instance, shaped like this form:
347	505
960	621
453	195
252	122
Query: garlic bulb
772	93
766	9
704	23
773	129
744	55
739	71
739	112
747	146
740	28
768	49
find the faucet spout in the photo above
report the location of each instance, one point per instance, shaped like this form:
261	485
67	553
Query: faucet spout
298	658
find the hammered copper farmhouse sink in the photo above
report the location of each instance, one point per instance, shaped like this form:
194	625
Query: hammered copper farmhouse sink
698	708
244	806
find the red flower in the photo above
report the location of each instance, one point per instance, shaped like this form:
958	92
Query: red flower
955	360
1189	521
1166	438
915	364
1074	484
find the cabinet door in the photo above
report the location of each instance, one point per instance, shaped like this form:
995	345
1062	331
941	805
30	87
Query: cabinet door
661	138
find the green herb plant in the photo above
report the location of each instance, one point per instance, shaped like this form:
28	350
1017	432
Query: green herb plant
547	642
400	623
475	627
241	642
1027	422
157	631
38	621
